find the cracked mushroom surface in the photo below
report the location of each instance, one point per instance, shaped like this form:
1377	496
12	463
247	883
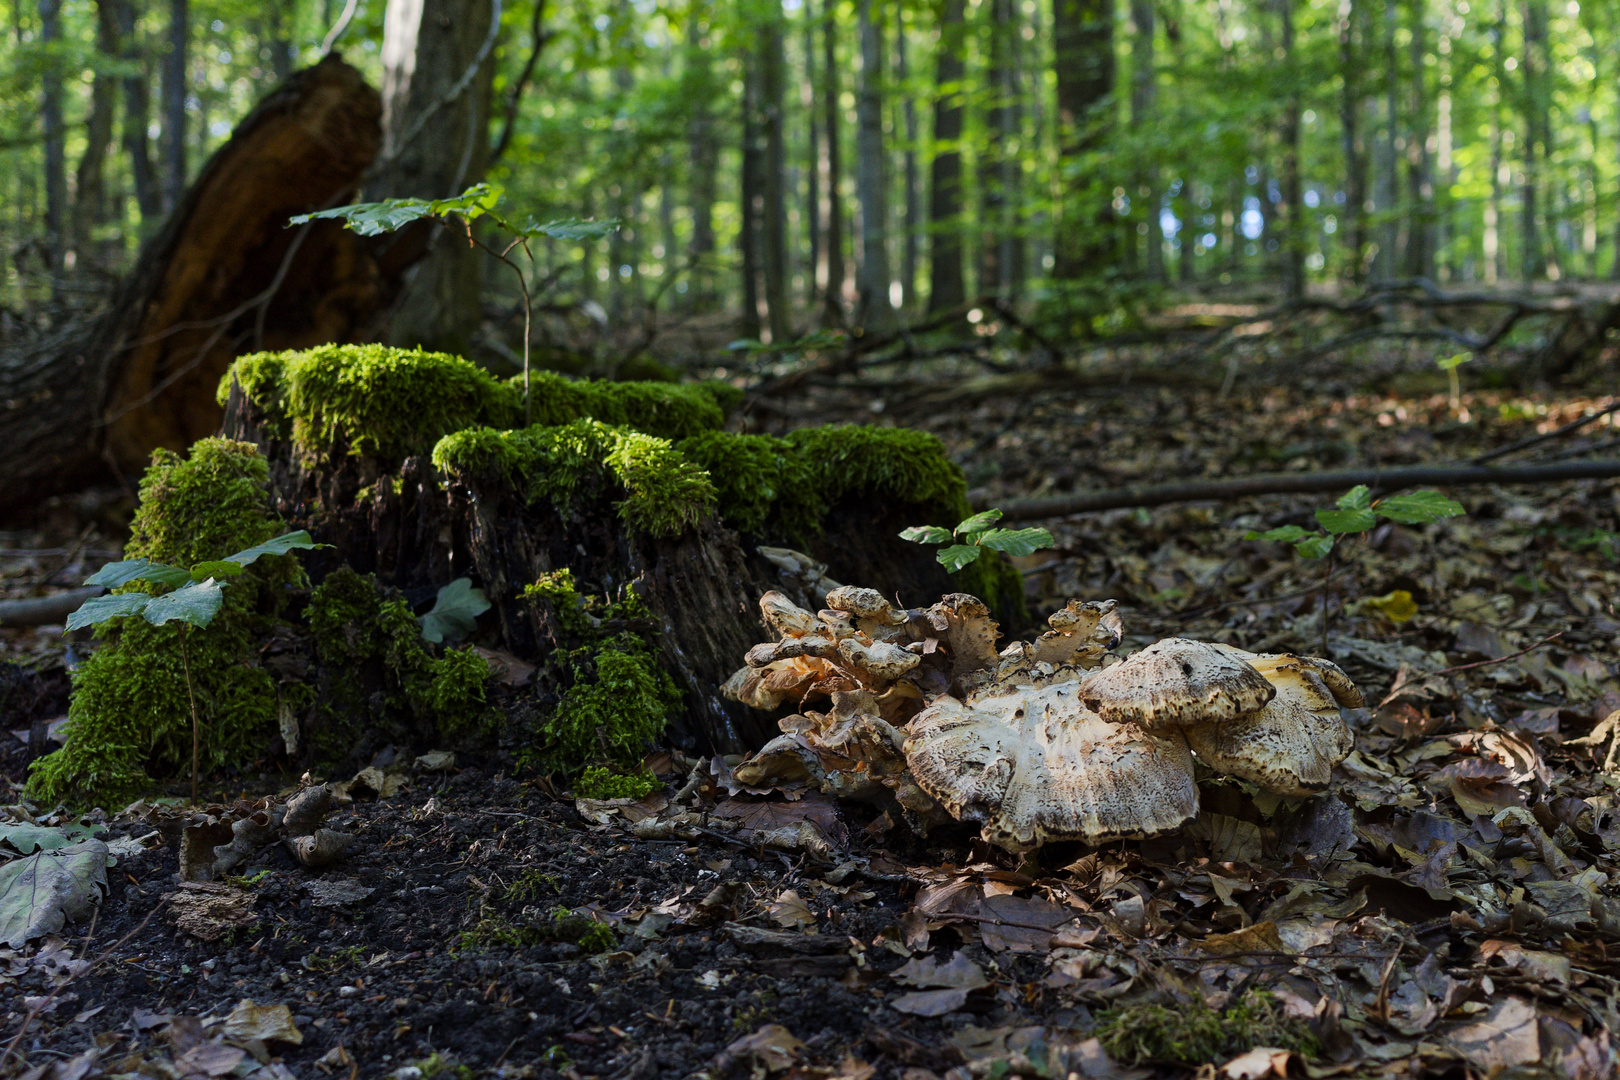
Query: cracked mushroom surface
1032	764
1290	746
1177	682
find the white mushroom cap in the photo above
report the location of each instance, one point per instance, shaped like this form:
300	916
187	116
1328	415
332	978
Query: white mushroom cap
1176	682
881	660
864	604
784	616
1291	745
1034	765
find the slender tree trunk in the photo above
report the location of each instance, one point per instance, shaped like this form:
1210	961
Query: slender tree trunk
993	153
752	199
1354	228
137	111
872	277
279	16
912	212
833	294
623	246
703	156
1536	139
1614	270
1494	253
815	276
1144	103
1419	167
174	105
1083	61
1012	164
773	221
1293	202
1385	264
56	208
436	144
946	288
90	194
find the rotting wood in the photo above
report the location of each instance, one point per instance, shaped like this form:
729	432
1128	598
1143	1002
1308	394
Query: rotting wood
1086	502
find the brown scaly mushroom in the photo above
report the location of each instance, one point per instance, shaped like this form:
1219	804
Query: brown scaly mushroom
1177	682
1290	746
1032	764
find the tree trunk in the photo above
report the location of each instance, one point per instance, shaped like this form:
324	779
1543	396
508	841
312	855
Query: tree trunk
815	274
90	195
174	105
946	288
1354	229
1495	256
992	157
1083	61
750	242
56	209
1537	142
93	400
773	221
1420	246
832	297
703	156
873	309
1144	105
1385	263
911	214
1293	203
437	58
143	177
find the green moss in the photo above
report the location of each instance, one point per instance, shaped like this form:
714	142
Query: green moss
601	782
761	482
129	718
1194	1034
664	492
380	671
203	506
901	464
557	589
394	402
617	706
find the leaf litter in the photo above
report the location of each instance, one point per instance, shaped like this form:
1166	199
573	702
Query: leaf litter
1449	904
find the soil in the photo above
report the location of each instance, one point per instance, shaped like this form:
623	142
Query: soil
475	897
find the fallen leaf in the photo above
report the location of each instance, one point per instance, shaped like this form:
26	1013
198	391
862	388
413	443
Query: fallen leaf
790	910
266	1023
1505	1036
39	894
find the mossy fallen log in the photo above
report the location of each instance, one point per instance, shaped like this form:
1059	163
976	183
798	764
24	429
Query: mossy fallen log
409	464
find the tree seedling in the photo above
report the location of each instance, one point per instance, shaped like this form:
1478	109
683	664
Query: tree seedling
1450	364
195	600
478	201
1357	512
967	541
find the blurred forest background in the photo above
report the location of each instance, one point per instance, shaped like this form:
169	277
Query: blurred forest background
785	168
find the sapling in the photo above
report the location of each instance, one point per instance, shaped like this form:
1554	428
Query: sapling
197	595
478	201
966	542
1356	511
1450	364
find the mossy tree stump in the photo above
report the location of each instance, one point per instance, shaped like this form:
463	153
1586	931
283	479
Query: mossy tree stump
414	467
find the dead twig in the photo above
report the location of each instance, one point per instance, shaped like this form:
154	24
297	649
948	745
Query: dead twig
1537	440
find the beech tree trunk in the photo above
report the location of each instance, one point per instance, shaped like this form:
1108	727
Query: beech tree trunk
224	277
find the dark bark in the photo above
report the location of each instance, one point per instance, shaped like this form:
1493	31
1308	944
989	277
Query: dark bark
833	296
773	219
752	199
812	174
90	196
874	311
1354	229
56	210
93	400
1144	105
1420	238
702	155
174	105
1083	51
137	111
1292	254
911	210
946	287
1537	134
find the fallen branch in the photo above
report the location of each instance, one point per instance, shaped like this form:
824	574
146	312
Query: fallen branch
1299	483
45	610
1537	440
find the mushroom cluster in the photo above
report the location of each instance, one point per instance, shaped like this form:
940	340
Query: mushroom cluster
1054	739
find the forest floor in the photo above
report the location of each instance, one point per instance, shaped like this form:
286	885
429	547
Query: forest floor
1446	909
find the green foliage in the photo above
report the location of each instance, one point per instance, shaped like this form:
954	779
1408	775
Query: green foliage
760	481
882	463
617	706
478	201
589	934
664	492
557	589
1195	1034
973	536
658	408
455	612
1355	512
601	782
202	505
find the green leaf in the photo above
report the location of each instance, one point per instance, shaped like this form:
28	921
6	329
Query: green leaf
293	541
1346	521
1314	546
1452	363
373	219
471	204
196	603
1357	498
40	893
455	613
122	573
1418	508
1288	534
571	229
219	568
979	522
926	534
1016	541
29	838
956	556
99	609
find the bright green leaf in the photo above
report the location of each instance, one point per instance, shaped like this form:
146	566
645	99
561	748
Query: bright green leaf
1016	541
926	534
1287	534
571	229
99	609
1451	363
979	522
1314	546
373	219
956	556
1357	498
216	568
196	603
455	613
122	573
293	541
1346	521
1418	508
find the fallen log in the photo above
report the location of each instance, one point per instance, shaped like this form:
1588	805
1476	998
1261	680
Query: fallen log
1380	480
223	277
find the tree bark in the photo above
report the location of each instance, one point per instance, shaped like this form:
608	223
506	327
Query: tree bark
1537	134
1292	255
1420	240
137	112
90	195
873	309
1354	229
702	155
174	105
751	176
1083	61
93	400
773	222
815	274
911	214
1144	105
946	287
56	209
832	298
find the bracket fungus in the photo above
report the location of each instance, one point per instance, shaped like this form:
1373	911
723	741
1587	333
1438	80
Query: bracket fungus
1038	742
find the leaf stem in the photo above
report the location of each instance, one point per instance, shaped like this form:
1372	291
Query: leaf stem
196	724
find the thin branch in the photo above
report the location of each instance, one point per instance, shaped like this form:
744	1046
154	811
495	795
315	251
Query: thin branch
1537	440
513	96
1302	483
339	27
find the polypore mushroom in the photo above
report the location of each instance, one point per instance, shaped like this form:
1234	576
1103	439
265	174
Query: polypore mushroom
1177	682
1290	746
1032	764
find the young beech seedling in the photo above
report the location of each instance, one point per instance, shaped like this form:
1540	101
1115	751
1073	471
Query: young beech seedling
966	542
195	600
